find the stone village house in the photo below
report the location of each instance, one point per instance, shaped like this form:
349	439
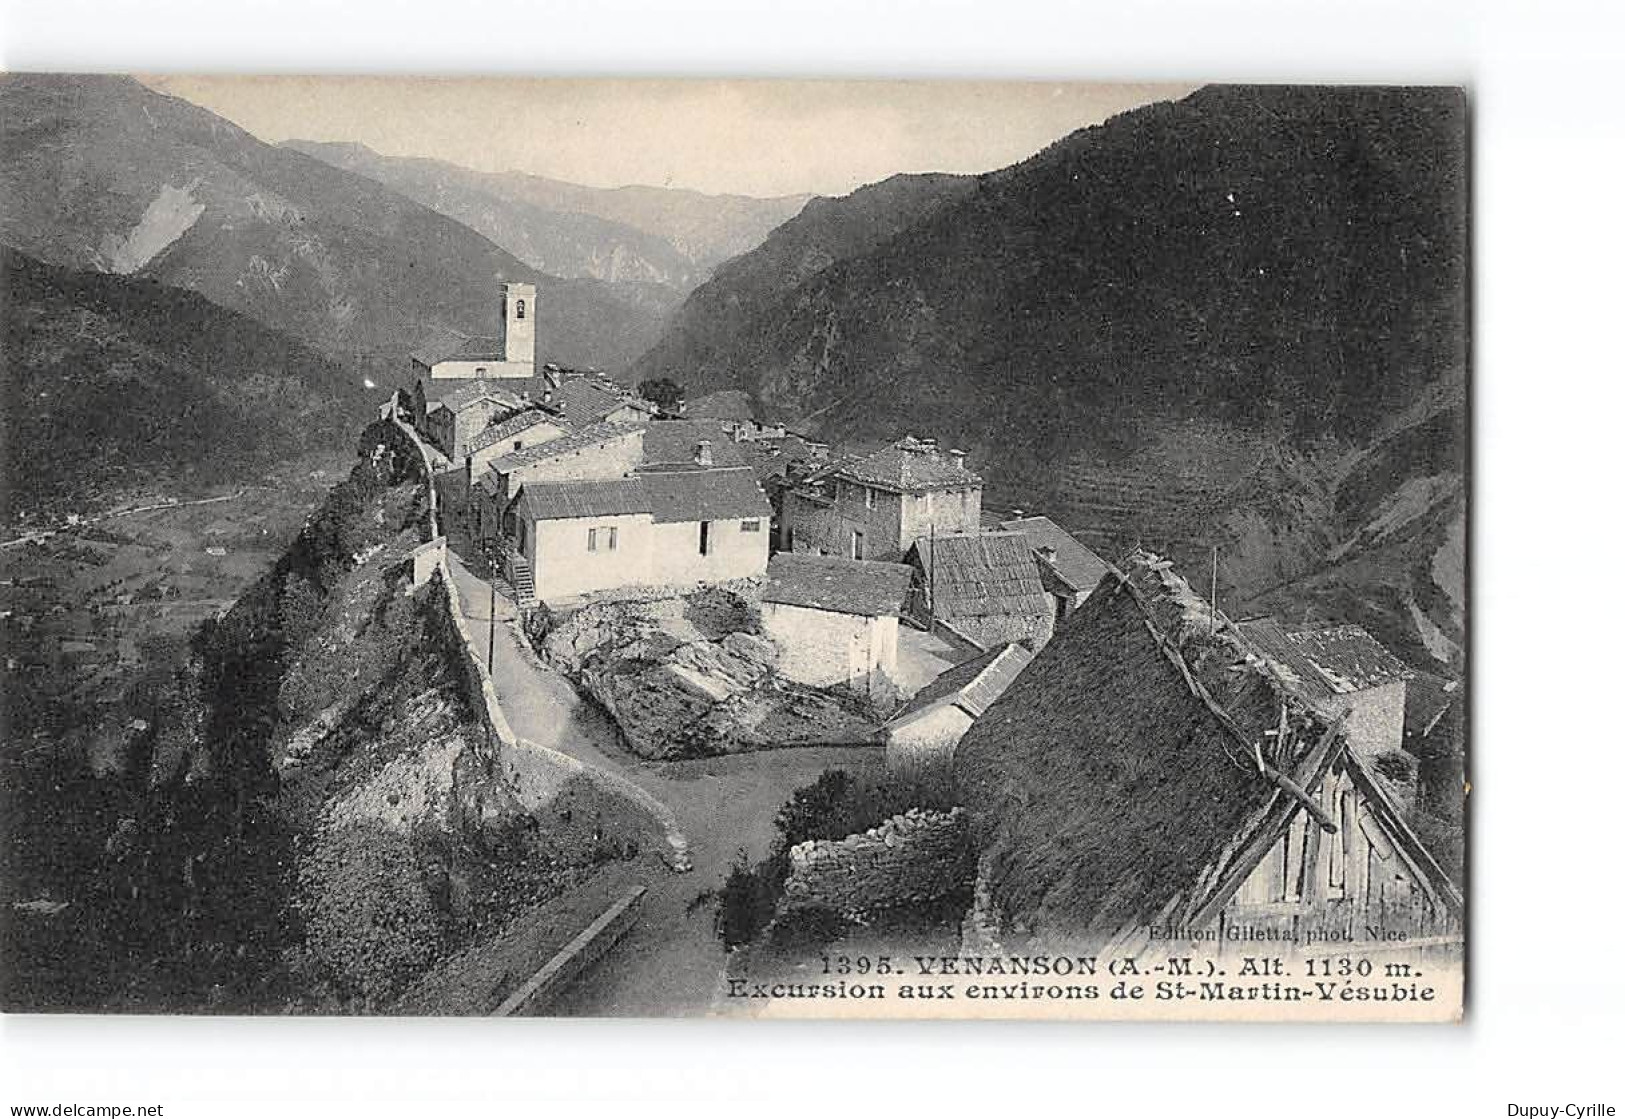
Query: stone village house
875	506
1343	668
1153	767
835	621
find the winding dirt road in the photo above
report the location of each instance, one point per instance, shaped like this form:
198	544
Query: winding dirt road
671	962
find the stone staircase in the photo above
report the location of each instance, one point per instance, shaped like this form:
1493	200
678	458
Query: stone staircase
516	569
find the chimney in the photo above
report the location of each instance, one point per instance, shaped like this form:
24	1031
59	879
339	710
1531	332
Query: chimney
957	457
702	452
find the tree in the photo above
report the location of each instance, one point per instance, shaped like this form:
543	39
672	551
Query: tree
664	392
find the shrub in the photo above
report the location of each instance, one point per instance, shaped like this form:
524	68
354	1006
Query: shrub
834	806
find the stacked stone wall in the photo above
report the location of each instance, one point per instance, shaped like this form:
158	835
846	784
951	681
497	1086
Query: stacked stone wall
911	859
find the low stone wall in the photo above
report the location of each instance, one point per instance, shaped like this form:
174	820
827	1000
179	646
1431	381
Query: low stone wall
910	859
434	527
589	946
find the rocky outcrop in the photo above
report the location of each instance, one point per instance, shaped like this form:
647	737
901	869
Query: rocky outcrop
692	676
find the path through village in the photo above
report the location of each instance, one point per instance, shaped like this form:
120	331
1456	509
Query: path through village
670	962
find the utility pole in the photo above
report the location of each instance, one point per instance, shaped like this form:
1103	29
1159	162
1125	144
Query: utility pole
1213	615
931	579
491	629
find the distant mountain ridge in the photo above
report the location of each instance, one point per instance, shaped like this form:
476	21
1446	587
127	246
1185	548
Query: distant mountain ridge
645	234
100	172
1122	327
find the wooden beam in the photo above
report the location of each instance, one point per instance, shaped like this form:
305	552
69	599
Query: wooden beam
1270	829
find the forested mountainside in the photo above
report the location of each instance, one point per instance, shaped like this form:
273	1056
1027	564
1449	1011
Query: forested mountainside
116	386
747	293
1199	323
100	172
637	234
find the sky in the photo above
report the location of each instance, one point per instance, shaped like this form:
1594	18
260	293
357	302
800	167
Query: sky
761	138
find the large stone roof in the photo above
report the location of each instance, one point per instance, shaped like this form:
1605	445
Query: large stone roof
1076	566
454	345
577	440
705	495
907	466
684	496
1324	660
587	399
512	426
672	444
843	586
562	501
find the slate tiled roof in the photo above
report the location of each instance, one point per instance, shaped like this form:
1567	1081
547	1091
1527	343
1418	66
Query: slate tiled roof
670	444
1326	660
1427	698
459	394
1076	566
554	501
512	426
973	685
985	584
454	345
843	586
705	495
577	440
907	466
587	399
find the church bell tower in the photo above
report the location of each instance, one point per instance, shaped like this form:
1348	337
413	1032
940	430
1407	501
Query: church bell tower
519	323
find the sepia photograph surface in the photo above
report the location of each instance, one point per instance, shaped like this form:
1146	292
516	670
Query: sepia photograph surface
499	547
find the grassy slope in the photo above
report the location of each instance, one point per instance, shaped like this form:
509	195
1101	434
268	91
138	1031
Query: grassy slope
115	387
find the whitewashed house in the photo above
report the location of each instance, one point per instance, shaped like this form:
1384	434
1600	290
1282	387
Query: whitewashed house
619	505
835	621
672	531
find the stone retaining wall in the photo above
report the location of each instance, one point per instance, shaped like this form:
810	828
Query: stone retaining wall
589	946
917	857
545	771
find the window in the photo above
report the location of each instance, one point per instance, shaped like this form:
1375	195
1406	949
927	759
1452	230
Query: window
592	540
868	498
857	544
750	526
518	445
613	533
519	309
479	371
705	538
